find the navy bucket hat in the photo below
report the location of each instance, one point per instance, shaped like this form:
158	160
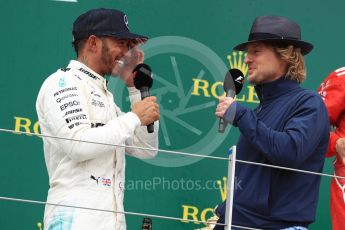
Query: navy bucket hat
276	29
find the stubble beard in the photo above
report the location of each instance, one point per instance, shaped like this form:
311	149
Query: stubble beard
107	62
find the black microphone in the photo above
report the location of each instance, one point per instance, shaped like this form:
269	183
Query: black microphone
143	81
147	224
233	84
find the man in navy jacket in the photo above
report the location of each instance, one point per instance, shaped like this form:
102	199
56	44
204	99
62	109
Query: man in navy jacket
289	128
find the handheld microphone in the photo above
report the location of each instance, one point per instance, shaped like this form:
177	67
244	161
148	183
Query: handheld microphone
143	81
233	83
147	224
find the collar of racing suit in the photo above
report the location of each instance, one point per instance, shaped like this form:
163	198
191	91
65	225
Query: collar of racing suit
88	73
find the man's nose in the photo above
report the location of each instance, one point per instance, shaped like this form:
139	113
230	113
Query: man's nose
247	59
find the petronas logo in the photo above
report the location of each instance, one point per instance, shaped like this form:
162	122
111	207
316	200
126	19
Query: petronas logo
236	60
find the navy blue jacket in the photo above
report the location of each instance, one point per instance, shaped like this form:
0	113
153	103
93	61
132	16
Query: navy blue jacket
290	128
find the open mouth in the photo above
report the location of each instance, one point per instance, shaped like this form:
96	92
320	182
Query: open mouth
120	62
251	69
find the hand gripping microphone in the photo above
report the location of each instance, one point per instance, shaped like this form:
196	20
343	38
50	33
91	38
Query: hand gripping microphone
143	81
147	224
233	84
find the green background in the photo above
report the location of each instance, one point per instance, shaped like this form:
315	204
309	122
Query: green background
36	40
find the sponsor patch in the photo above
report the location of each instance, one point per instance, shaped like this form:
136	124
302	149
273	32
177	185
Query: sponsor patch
106	182
62	82
102	181
97	103
76	118
93	92
69	104
95	125
89	74
65	69
73	111
76	124
64	90
58	100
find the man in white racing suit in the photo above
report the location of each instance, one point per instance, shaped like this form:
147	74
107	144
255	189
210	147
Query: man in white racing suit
74	103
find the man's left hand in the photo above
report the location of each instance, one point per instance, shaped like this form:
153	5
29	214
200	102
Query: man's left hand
223	105
133	57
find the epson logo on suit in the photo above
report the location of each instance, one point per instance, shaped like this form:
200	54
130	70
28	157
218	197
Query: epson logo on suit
69	104
75	118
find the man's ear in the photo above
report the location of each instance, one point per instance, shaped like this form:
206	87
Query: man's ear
93	44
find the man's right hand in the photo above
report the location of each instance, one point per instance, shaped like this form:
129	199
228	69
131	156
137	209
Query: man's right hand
340	148
223	105
147	110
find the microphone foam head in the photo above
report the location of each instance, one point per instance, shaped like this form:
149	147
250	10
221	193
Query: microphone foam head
234	78
142	76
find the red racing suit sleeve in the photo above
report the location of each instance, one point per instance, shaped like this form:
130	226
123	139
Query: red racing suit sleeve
332	91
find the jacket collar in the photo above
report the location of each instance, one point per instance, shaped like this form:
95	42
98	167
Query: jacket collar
276	88
87	73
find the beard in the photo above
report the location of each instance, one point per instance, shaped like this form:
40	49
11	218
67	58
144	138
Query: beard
109	66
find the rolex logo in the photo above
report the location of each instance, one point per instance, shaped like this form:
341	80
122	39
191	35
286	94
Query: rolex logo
39	226
222	187
236	60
